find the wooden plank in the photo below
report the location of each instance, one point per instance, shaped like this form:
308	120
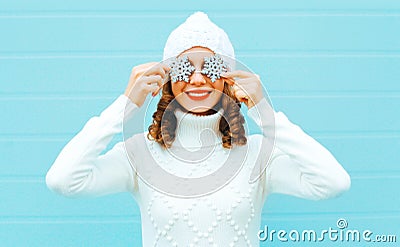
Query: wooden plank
357	200
70	234
209	6
337	113
275	33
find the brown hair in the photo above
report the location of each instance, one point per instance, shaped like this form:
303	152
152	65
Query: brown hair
162	129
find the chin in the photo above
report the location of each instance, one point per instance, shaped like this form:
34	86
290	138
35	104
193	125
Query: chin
197	108
200	107
200	110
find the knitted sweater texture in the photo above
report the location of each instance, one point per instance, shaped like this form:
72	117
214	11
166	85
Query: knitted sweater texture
230	216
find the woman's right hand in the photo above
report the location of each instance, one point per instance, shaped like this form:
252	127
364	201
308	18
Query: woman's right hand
144	79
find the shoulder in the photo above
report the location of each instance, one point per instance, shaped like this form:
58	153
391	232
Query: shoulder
137	138
140	144
136	142
258	143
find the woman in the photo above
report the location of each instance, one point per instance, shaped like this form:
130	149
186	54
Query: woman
170	170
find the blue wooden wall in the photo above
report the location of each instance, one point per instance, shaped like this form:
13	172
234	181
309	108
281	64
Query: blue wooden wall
332	66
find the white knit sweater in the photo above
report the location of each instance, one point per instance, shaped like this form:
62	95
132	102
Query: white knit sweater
231	216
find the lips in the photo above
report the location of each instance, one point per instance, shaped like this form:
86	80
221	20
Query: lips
198	94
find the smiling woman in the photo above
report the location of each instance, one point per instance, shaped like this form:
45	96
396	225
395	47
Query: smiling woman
199	180
200	94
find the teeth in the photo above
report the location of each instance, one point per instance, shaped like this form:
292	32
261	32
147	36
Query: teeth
197	94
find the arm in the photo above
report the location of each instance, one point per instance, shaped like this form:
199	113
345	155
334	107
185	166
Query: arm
299	166
80	170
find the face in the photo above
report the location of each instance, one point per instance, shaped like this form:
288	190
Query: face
199	94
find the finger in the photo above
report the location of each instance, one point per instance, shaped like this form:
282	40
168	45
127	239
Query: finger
241	95
245	82
239	86
164	81
152	79
156	92
230	81
152	88
239	90
139	70
238	73
142	68
236	88
165	67
157	69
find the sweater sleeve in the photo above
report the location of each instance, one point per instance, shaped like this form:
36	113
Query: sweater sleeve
81	171
299	165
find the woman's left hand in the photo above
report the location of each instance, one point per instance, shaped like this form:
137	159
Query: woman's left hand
247	88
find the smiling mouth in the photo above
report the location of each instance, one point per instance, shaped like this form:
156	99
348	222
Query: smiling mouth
198	94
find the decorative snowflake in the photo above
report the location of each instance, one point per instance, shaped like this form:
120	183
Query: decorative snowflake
181	69
213	67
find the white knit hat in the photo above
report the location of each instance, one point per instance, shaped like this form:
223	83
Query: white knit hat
198	30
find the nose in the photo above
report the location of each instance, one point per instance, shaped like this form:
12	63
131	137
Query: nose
197	78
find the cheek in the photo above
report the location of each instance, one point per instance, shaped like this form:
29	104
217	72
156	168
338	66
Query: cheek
177	87
219	85
219	88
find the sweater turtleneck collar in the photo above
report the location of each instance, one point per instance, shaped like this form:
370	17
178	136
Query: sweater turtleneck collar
195	131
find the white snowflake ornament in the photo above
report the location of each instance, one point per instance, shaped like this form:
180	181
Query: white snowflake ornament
213	67
181	69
